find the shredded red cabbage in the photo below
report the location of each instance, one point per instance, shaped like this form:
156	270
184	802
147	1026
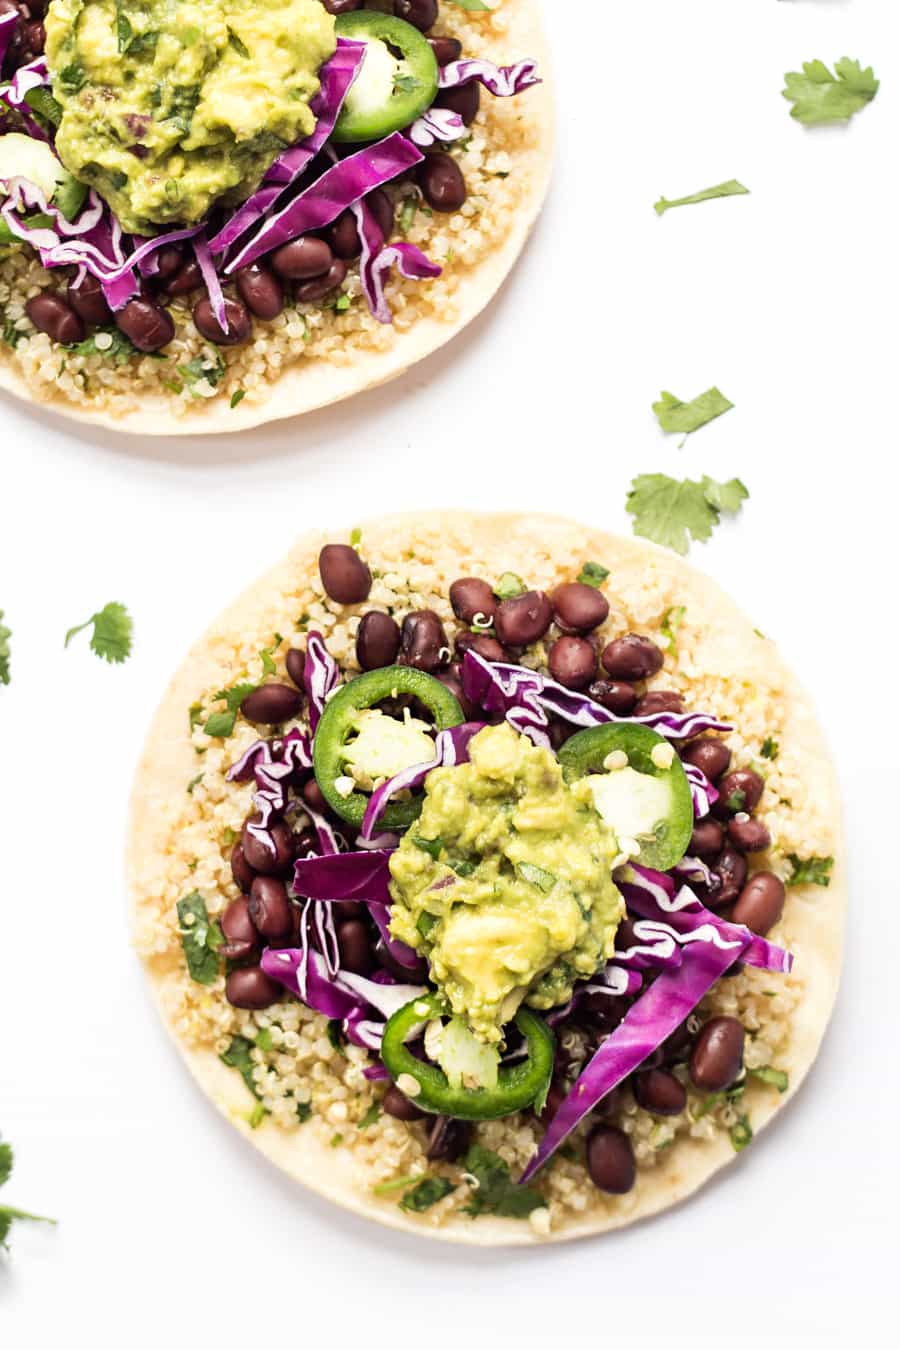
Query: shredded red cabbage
320	676
703	794
274	765
450	747
33	76
210	280
345	876
501	81
437	124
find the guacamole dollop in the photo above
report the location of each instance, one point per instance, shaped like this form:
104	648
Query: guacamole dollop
171	105
505	882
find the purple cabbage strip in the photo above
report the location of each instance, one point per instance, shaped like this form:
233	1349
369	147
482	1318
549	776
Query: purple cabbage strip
33	76
696	870
345	876
320	676
410	261
450	747
437	124
402	954
527	697
703	794
501	81
336	190
210	280
335	79
273	765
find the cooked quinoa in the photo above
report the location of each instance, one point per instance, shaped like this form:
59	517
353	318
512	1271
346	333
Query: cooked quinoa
494	159
413	566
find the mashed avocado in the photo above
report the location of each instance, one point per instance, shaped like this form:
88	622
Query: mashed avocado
168	107
504	883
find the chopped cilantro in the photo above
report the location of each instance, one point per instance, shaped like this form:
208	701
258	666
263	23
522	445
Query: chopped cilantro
209	368
355	537
239	46
5	635
494	1192
200	938
536	876
810	871
406	84
336	1035
769	748
195	715
257	1116
670	511
735	800
265	656
396	1184
407	214
675	416
730	189
112	632
425	923
820	96
336	1140
430	846
72	78
509	586
370	1117
303	1112
593	574
237	1056
198	778
740	1133
236	397
11	335
264	1039
342	302
9	1215
425	1193
221	724
671	622
776	1077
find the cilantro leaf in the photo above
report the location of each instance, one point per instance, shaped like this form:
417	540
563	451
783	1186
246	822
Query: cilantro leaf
303	1112
536	876
6	1162
237	1056
236	397
821	97
740	1133
671	622
509	586
495	1193
668	510
769	748
239	46
200	938
112	632
675	416
209	368
775	1077
370	1117
221	724
5	635
108	342
8	1214
810	871
430	846
426	1193
593	574
730	189
265	656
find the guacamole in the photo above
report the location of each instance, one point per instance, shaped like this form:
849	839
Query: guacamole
505	882
169	107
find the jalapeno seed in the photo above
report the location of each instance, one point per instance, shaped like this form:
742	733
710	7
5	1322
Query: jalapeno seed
250	987
302	258
52	314
523	619
578	608
659	701
345	576
718	1054
260	290
395	1103
740	790
473	601
442	182
87	299
147	325
610	1159
424	641
659	1092
422	14
761	903
710	755
707	839
731	870
749	835
307	292
616	695
262	859
572	662
446	49
241	870
295	664
269	908
377	641
631	657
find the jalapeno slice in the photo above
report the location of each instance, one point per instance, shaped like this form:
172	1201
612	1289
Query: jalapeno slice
398	79
647	799
337	723
519	1085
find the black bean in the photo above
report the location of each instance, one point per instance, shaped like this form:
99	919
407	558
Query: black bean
453	681
345	576
355	946
761	903
416	974
749	835
302	258
424	641
448	1139
308	292
313	796
677	1046
295	663
395	1103
441	180
241	939
620	698
488	648
707	839
473	601
659	1092
632	657
241	870
718	1054
87	299
446	49
523	619
708	754
168	264
306	843
270	909
610	1159
572	662
188	278
422	14
260	290
147	325
343	235
240	325
657	701
578	608
731	870
377	641
559	732
261	858
251	987
272	703
464	99
52	314
739	791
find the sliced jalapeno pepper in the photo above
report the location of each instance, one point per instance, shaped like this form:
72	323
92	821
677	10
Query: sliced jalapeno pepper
519	1085
398	79
647	799
337	723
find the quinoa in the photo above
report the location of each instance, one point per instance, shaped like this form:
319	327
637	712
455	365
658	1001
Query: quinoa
413	564
495	160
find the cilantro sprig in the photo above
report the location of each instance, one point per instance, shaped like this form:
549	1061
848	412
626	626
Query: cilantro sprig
8	1213
730	189
820	97
112	631
221	724
5	635
810	871
671	511
200	938
495	1192
674	415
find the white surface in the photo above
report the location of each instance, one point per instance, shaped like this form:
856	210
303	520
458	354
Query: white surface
172	1229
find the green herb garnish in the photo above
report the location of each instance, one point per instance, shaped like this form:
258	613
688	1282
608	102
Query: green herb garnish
675	416
5	635
495	1193
119	349
237	1056
370	1117
239	46
593	574
430	846
820	97
536	876
8	1214
509	586
200	938
740	1134
809	871
265	656
669	511
72	78
236	397
426	1193
112	632
206	368
221	724
671	622
769	748
303	1112
776	1077
336	1035
730	189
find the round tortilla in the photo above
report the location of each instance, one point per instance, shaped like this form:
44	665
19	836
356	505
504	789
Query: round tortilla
813	922
311	384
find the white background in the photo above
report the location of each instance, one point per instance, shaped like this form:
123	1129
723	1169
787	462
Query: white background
171	1228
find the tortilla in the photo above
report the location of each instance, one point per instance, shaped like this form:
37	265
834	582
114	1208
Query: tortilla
316	383
722	641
